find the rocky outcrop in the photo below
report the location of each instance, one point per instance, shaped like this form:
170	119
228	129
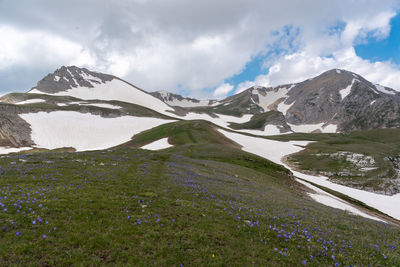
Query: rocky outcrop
14	131
66	78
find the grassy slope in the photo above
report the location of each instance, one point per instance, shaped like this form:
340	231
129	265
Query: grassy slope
379	144
144	208
201	203
258	121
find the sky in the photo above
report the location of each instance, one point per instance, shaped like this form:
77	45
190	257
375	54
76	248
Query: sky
202	49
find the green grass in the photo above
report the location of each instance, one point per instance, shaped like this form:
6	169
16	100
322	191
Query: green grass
202	202
258	121
181	133
210	212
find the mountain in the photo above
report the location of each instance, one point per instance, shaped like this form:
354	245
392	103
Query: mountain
180	101
191	182
335	101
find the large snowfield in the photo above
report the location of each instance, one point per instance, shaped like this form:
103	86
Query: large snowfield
116	90
85	131
275	151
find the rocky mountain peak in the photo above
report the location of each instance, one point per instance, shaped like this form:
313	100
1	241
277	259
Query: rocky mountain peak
70	77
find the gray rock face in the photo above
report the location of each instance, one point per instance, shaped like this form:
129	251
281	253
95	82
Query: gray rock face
344	99
336	97
170	97
66	78
14	131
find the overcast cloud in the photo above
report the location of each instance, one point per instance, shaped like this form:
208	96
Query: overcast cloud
191	46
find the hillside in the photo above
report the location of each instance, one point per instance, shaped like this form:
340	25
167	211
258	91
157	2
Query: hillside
108	174
199	202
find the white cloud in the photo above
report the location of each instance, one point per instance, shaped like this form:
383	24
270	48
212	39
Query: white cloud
300	66
30	48
222	90
183	45
324	52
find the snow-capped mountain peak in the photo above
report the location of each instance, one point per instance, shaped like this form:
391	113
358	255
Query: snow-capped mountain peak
66	78
88	85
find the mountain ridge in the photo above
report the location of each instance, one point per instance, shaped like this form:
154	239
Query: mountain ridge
335	101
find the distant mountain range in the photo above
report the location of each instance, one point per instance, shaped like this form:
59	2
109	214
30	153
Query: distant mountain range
335	101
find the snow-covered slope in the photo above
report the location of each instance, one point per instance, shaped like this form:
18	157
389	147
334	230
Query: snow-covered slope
275	151
118	90
84	131
87	85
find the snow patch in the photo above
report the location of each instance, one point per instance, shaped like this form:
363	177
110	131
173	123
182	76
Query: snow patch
282	107
117	90
102	105
221	120
275	151
7	150
330	200
271	97
346	91
269	149
330	128
338	71
85	131
372	102
268	130
31	101
188	103
157	145
90	78
35	91
308	128
382	89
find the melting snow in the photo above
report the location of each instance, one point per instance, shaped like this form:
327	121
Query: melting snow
282	107
221	120
116	90
268	130
346	91
271	97
330	200
157	145
102	105
275	150
90	78
308	128
84	131
188	103
384	90
6	150
31	101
